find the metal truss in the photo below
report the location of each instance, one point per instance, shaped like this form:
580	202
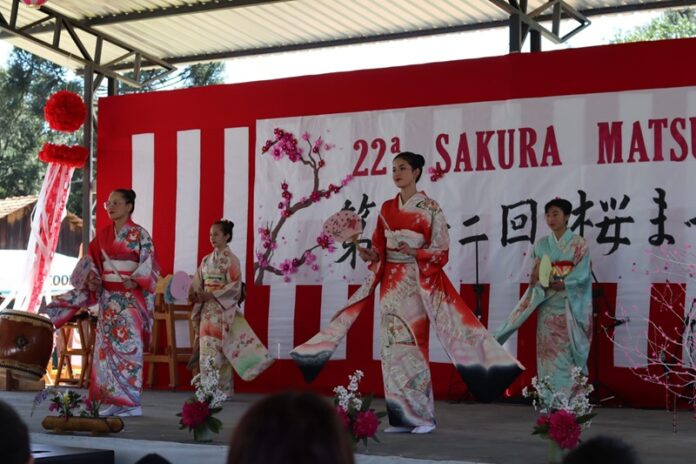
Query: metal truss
523	23
54	31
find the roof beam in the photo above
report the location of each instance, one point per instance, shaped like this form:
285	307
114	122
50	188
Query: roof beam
650	5
532	20
58	43
215	56
156	13
329	43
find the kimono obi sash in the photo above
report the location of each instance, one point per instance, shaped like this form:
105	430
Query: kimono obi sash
213	280
561	269
395	237
114	269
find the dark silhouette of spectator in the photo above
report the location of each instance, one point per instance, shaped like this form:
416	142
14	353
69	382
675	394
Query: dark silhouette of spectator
291	428
152	458
14	437
602	450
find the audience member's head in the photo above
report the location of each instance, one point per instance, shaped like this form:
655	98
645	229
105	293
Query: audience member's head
152	458
602	450
14	437
291	428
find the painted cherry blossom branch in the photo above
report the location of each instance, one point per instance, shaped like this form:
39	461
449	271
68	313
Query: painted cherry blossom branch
285	145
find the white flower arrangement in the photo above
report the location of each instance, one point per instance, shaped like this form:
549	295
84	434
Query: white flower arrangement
547	400
349	396
208	387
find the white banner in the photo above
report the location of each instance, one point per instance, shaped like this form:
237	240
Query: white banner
625	160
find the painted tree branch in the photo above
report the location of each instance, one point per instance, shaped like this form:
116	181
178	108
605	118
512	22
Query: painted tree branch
284	144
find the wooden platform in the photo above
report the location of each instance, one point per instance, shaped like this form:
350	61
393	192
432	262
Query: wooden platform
466	432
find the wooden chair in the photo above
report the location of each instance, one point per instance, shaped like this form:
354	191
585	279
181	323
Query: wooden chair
80	330
165	316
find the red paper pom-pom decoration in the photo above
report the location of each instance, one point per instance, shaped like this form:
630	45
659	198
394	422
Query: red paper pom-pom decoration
72	157
65	111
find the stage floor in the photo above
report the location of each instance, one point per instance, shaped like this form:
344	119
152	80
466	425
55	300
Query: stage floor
467	432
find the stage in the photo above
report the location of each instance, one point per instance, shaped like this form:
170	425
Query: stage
466	433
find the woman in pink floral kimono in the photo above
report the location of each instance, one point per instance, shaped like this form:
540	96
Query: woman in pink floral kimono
119	273
225	338
410	247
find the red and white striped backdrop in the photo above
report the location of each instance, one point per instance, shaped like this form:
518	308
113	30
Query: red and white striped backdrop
190	156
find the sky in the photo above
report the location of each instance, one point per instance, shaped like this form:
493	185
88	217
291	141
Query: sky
476	44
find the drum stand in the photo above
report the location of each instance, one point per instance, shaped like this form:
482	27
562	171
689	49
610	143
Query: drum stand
10	382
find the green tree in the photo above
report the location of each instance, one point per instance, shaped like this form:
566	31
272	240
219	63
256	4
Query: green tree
25	84
196	75
673	24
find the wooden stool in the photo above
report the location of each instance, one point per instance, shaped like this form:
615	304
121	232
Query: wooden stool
84	326
167	315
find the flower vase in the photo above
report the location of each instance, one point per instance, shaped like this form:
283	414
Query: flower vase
554	453
203	434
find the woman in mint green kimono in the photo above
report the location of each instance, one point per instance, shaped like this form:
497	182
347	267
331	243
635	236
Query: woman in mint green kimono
564	309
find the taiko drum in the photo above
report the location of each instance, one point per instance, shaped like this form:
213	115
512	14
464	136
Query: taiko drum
26	342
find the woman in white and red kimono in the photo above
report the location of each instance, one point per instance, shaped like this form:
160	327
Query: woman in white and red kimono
119	272
410	247
225	338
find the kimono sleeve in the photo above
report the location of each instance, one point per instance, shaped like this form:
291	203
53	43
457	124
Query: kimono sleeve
146	274
379	242
578	285
63	307
433	257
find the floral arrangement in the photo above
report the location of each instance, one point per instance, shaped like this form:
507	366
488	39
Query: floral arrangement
197	412
354	410
64	402
562	416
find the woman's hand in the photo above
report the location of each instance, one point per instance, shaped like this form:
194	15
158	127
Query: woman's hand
407	250
557	285
368	254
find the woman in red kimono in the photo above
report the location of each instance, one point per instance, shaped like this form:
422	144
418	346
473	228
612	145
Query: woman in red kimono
119	273
410	248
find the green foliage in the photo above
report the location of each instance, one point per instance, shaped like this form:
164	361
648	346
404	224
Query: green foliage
196	75
675	24
25	84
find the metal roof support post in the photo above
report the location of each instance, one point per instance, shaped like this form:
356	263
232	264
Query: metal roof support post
87	169
534	40
515	33
111	87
